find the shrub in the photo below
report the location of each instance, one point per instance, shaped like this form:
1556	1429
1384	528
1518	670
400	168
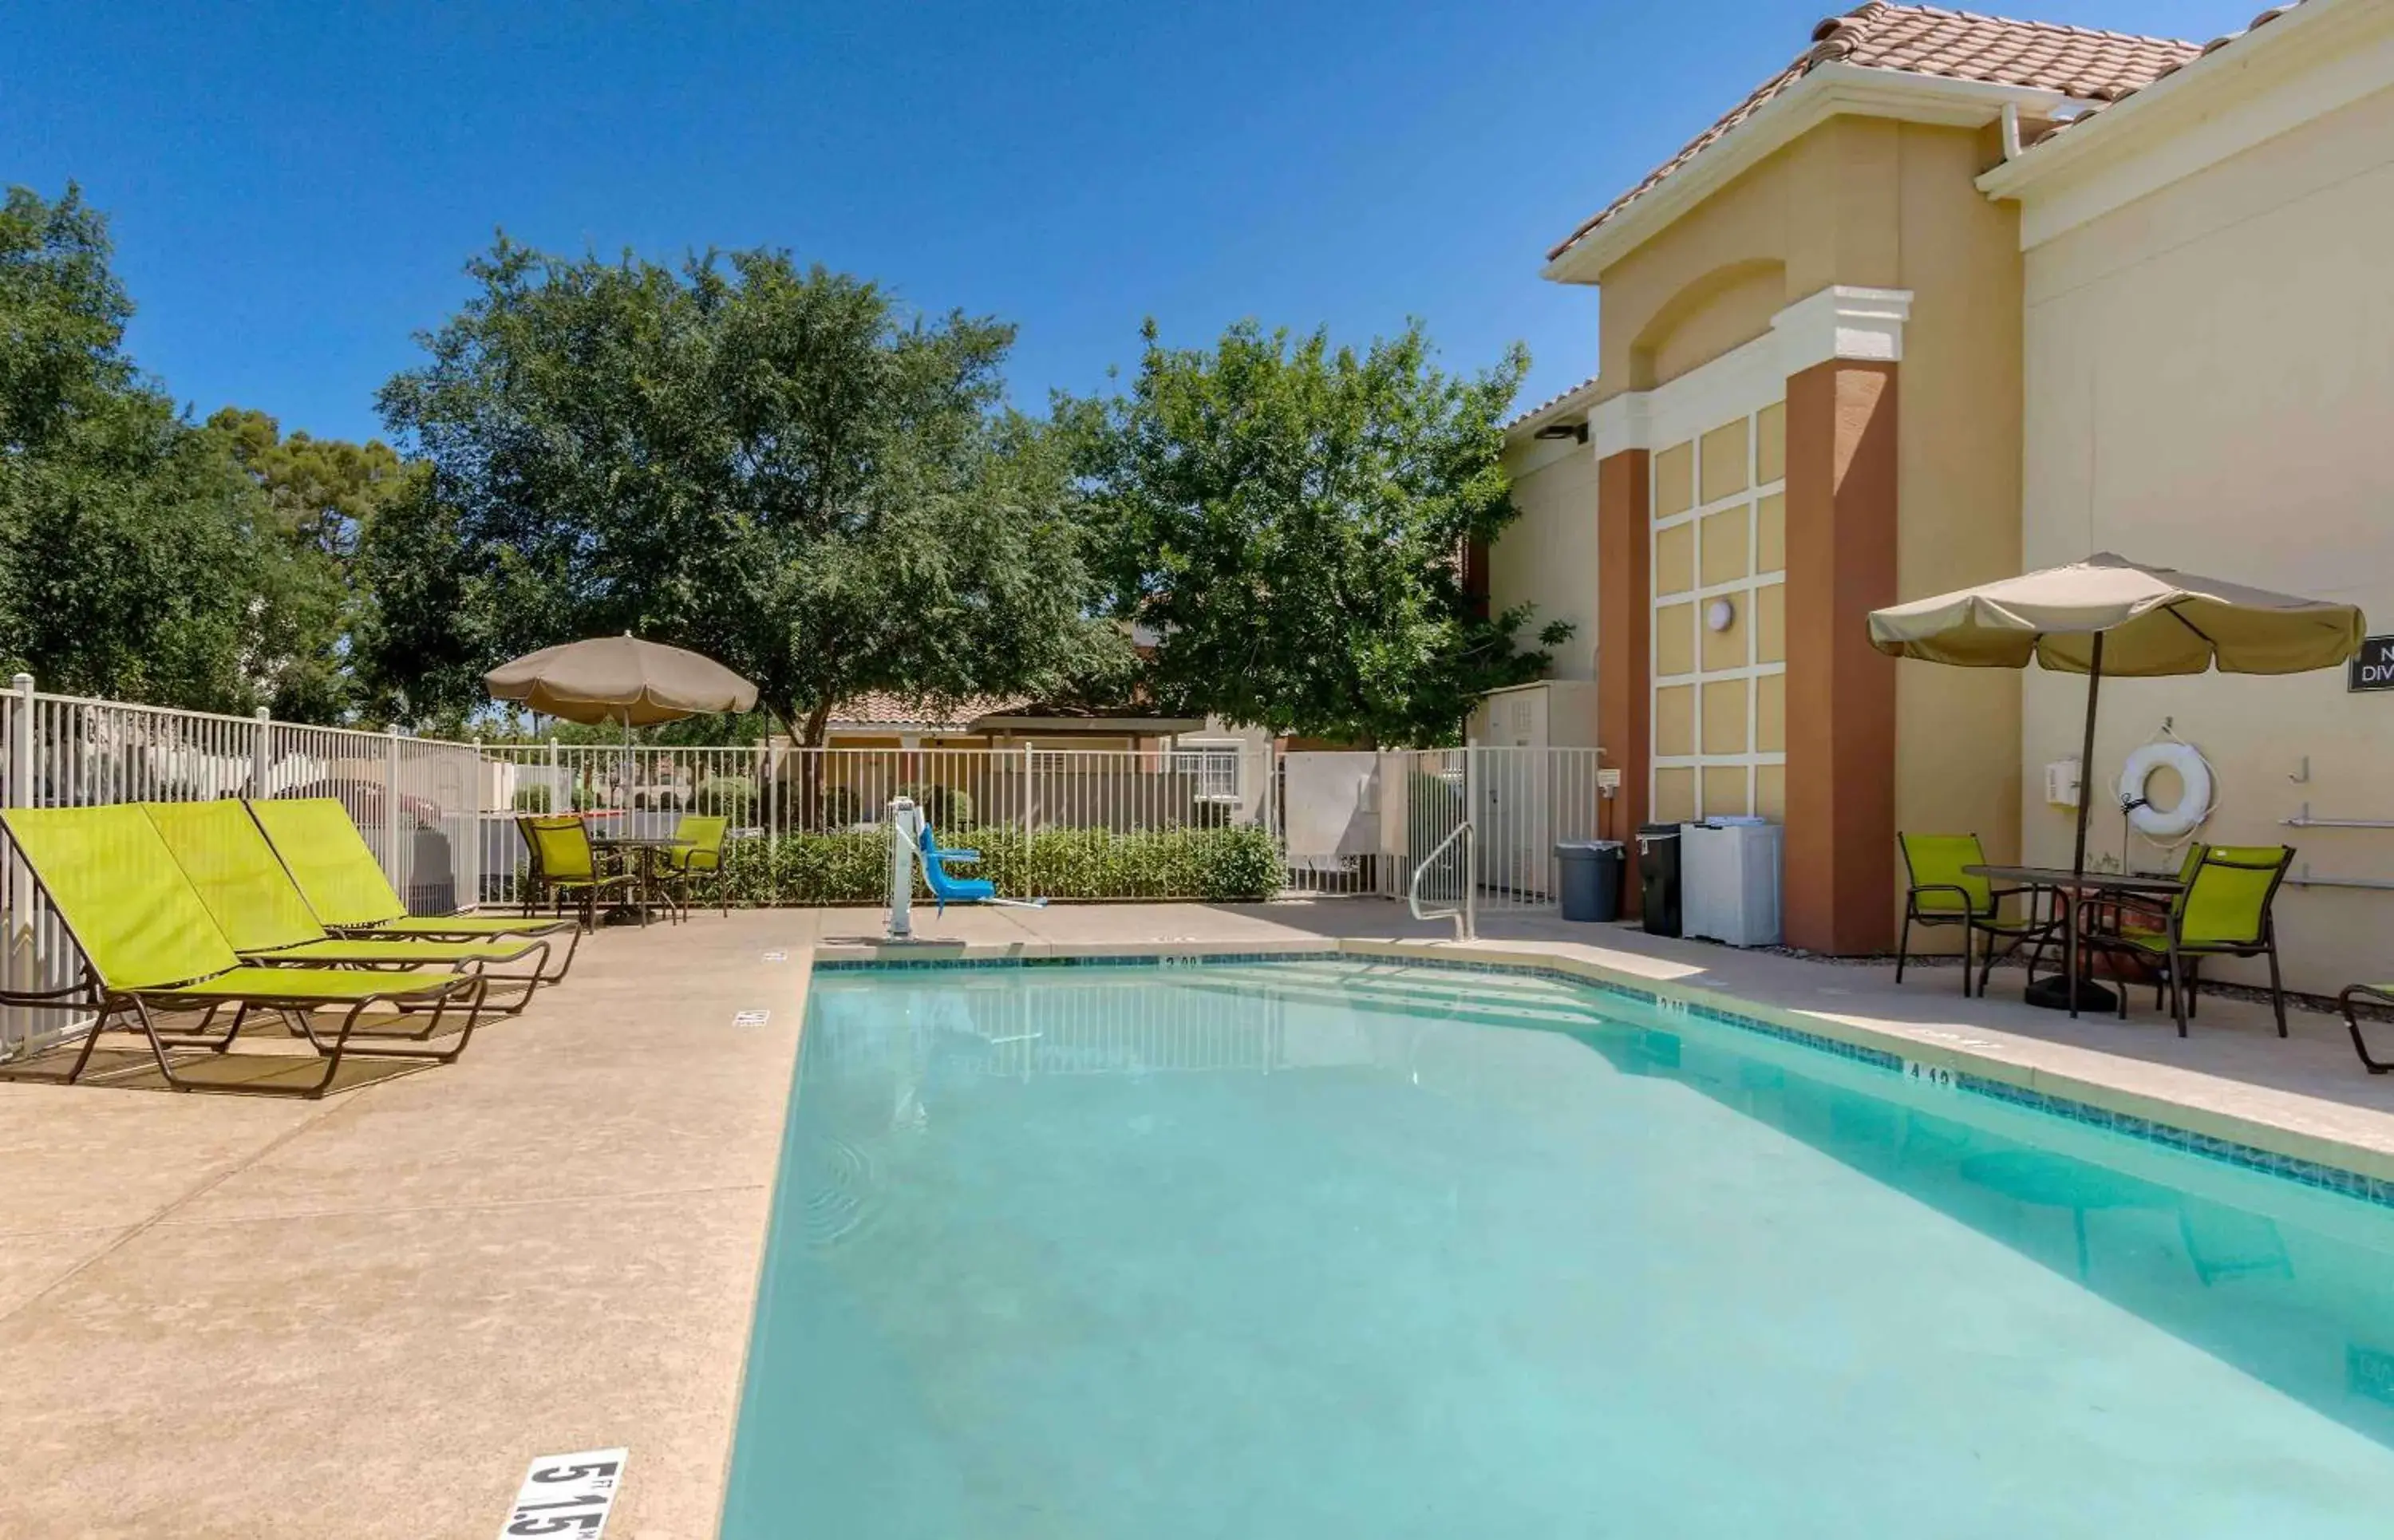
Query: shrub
842	806
1219	866
532	799
732	796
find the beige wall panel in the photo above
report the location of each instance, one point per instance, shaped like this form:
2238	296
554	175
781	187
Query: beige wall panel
1724	460
1675	720
1725	543
1770	623
1725	790
1675	559
1674	795
1957	481
1771	534
1675	639
1726	648
1675	481
1734	308
1771	714
1771	791
2249	443
1724	716
1771	444
1546	557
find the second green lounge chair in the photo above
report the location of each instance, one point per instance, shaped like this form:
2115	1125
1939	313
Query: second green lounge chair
254	903
148	945
344	885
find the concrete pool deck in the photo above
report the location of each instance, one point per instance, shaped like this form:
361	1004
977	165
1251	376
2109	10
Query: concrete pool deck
222	1315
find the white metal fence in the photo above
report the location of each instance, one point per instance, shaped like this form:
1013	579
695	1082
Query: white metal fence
441	816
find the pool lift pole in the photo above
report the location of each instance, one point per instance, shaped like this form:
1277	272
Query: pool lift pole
903	832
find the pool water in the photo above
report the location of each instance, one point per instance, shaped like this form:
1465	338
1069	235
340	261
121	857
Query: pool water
1316	1250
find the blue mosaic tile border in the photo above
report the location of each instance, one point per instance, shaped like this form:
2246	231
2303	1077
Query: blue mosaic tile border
2293	1168
1149	959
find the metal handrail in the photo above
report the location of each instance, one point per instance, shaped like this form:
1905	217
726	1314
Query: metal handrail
1466	926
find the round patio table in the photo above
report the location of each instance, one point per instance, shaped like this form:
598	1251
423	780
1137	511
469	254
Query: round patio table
641	851
2074	888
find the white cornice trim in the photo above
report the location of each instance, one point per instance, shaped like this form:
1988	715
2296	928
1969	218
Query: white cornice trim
1842	321
1839	321
1827	91
2306	63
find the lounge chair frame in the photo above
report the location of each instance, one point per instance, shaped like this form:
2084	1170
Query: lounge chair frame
2382	994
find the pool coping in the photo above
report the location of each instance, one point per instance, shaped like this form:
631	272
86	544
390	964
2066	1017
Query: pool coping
2298	1156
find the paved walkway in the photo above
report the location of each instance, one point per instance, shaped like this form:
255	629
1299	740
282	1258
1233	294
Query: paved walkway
226	1316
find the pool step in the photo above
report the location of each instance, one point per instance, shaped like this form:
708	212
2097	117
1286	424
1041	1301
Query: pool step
1483	998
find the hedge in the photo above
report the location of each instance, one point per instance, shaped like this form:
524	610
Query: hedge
851	866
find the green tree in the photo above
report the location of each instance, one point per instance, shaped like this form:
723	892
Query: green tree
319	496
775	466
1290	524
133	560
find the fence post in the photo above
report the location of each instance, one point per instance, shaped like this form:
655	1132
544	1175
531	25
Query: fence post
23	967
1472	842
556	792
261	757
391	810
474	827
1028	887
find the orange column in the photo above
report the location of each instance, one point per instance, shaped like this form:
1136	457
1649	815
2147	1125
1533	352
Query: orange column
1625	617
1841	534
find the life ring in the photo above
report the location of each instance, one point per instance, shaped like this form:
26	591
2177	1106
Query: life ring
2194	799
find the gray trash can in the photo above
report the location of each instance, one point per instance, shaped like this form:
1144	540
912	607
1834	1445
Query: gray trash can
1591	879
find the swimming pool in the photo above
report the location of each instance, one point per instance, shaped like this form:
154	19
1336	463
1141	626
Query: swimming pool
1336	1248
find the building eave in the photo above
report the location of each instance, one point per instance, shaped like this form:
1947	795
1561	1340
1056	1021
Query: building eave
1828	90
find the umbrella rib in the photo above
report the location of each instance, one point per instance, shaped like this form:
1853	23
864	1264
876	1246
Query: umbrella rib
2191	626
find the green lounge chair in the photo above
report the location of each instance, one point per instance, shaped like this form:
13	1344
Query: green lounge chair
343	884
148	945
564	866
698	853
2228	909
2375	995
254	903
1939	891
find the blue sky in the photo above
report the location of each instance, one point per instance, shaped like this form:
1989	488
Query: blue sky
294	187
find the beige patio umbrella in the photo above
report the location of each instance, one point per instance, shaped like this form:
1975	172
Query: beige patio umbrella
620	679
2108	614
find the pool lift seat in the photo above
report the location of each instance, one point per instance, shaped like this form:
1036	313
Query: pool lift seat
912	843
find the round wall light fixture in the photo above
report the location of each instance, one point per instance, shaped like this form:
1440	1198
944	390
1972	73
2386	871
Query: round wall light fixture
1720	615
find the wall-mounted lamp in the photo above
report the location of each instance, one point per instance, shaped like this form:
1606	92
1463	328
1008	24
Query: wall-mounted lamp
1719	616
1562	430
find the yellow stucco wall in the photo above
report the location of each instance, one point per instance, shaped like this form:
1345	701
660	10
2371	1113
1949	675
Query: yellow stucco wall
1547	556
2210	378
1875	202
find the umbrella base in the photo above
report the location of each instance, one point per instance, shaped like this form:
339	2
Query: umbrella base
2052	993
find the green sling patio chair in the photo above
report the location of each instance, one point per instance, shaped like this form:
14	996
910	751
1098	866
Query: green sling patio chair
148	945
565	866
2228	909
335	871
263	915
1938	892
698	854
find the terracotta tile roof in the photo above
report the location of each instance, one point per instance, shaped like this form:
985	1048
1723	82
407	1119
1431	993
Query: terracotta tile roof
2176	65
2077	61
1518	418
881	710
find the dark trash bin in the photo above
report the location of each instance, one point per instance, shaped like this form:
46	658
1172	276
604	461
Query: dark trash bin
1658	876
1591	879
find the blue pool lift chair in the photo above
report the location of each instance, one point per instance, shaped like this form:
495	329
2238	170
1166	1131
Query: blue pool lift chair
947	888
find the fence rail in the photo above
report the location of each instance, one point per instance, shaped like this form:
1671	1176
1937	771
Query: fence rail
441	816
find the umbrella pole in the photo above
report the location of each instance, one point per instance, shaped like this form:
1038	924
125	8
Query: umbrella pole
2085	808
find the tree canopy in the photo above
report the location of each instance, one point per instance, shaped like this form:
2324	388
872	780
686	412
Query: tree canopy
1291	524
779	467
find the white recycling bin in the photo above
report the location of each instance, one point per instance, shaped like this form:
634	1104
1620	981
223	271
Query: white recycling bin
1729	880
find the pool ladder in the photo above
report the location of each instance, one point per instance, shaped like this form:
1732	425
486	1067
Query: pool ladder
1466	927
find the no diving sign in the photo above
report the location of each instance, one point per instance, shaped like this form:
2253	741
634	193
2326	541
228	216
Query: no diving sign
2373	667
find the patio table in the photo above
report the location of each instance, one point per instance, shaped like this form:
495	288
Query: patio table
2072	888
641	851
